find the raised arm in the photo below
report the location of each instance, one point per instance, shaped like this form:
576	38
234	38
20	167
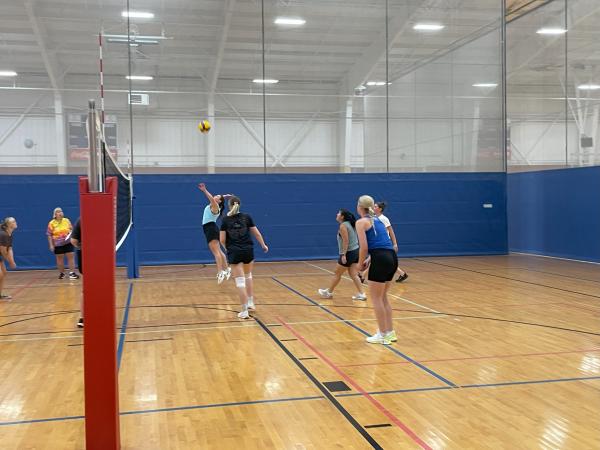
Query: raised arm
214	206
256	233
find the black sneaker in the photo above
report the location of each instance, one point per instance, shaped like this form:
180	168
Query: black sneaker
402	278
61	276
73	276
80	323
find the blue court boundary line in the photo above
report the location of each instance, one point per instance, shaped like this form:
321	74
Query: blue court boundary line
292	399
124	327
174	408
390	348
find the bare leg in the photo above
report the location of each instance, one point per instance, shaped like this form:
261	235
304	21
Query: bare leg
389	325
377	292
2	275
337	276
353	272
71	261
60	263
220	259
240	283
249	281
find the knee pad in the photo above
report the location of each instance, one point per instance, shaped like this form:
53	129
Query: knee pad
249	276
240	282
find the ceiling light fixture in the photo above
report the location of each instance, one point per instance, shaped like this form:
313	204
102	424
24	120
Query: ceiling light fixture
376	83
289	21
265	81
8	73
486	85
138	14
551	31
589	87
428	27
140	77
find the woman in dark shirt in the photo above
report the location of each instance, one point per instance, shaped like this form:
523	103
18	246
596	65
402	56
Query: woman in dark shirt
7	227
236	234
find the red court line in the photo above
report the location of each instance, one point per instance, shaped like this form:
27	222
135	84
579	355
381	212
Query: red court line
22	288
515	355
358	388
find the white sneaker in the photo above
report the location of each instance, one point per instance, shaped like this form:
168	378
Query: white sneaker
221	277
244	314
228	273
391	336
362	297
251	304
325	293
378	338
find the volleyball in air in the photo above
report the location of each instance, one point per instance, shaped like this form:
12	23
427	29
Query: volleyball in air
204	126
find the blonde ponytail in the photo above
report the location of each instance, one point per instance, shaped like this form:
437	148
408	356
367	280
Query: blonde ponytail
234	206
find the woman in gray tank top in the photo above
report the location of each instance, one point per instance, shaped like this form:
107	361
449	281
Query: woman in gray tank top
348	255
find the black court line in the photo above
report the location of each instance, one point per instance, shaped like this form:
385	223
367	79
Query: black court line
287	340
151	340
364	333
381	425
75	345
307	358
364	433
512	279
549	273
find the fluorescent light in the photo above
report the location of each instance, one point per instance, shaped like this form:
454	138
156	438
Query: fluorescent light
133	37
360	88
8	73
289	21
132	41
428	27
266	81
140	77
376	83
551	31
589	87
486	85
138	14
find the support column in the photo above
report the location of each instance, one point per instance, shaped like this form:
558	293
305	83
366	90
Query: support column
345	137
210	143
60	142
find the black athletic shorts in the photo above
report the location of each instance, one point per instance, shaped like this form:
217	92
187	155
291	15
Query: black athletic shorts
61	250
211	231
384	263
351	258
79	261
240	256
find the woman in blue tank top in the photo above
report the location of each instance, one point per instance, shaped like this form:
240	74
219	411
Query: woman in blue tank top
212	212
377	253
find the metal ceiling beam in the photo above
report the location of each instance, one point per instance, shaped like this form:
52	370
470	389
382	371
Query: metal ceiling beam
229	7
40	34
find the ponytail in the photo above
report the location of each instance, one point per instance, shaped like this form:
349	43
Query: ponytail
234	206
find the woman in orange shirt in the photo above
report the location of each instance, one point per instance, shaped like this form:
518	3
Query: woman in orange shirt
59	241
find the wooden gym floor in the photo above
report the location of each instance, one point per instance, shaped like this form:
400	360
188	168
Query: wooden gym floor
497	352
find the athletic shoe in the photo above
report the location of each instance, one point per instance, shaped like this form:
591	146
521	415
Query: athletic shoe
251	304
221	276
5	297
73	276
362	297
378	338
401	278
391	336
325	293
244	314
228	273
80	323
61	276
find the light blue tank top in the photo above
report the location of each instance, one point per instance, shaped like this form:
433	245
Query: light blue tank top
209	216
377	236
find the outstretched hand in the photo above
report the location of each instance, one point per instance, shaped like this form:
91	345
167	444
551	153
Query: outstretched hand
202	186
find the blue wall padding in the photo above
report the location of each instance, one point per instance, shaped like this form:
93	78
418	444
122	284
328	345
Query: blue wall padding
432	213
555	213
